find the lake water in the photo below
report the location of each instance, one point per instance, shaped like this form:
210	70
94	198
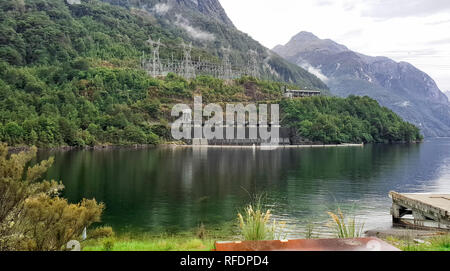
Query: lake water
175	189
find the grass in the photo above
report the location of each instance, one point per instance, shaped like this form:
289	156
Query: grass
309	231
192	243
436	243
198	239
203	240
256	224
346	227
168	243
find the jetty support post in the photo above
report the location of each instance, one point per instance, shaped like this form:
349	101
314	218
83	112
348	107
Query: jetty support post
397	212
424	208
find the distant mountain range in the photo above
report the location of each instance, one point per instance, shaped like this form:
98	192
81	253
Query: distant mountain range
399	86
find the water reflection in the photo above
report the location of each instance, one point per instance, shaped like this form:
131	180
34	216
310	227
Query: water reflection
171	189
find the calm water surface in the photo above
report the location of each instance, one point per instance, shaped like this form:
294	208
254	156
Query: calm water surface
175	189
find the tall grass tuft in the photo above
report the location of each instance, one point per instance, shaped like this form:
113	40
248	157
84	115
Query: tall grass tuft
309	231
256	224
346	228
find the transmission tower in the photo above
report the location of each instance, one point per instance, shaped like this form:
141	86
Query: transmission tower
227	72
188	68
187	65
253	67
156	61
142	58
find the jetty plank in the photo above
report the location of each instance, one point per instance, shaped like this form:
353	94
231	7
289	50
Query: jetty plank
423	207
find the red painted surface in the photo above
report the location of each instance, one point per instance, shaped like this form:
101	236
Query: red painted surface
357	244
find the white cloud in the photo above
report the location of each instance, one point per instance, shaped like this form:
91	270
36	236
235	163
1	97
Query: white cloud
410	30
316	71
192	31
73	2
403	104
161	8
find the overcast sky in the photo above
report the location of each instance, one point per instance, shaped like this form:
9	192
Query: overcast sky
416	31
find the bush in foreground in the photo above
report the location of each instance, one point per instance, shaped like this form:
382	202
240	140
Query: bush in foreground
32	215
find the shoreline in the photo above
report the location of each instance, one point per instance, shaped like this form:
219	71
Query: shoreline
263	147
17	149
73	148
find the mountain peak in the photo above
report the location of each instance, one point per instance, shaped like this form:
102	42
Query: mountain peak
307	41
304	35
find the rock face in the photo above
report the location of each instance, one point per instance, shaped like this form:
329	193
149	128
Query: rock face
210	8
399	86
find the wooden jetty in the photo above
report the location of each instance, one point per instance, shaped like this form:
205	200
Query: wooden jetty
423	208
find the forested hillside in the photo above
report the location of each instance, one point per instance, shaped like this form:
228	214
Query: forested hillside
69	75
354	119
49	31
43	32
80	105
206	25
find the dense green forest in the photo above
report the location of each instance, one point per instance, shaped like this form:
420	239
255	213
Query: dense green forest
69	75
80	105
354	119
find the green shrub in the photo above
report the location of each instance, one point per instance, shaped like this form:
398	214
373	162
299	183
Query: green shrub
13	133
101	232
135	134
162	131
108	245
153	139
32	215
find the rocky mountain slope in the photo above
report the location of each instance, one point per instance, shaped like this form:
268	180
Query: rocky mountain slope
210	8
207	26
399	86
